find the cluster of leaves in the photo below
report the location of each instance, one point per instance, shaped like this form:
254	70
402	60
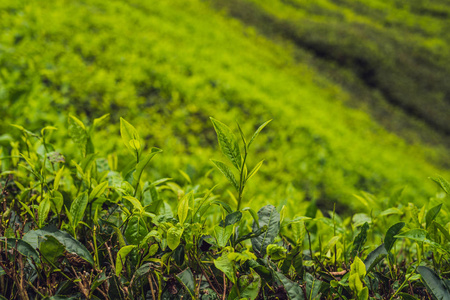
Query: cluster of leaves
85	229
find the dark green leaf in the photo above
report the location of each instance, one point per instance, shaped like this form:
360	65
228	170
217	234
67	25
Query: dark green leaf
23	247
231	219
407	296
228	143
178	255
51	248
360	240
432	214
293	289
252	234
72	245
249	286
313	286
389	239
434	283
375	257
186	278
268	216
136	230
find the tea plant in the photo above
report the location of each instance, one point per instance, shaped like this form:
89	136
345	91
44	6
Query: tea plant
98	228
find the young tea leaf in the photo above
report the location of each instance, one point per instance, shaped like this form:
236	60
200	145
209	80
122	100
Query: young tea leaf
444	184
43	210
258	131
128	133
143	163
226	266
228	143
121	257
255	169
77	208
223	234
227	172
183	207
174	236
77	132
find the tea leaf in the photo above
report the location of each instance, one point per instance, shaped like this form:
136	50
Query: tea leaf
71	244
58	178
143	164
231	219
135	202
77	208
375	257
389	239
223	234
293	289
258	131
186	278
98	190
174	236
121	257
268	216
227	172
77	132
313	286
434	283
444	184
227	143
432	214
360	240
128	133
255	169
183	207
51	248
226	266
44	208
249	286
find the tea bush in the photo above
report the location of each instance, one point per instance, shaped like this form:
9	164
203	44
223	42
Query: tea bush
91	226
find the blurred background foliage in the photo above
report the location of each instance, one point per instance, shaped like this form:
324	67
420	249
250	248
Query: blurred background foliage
358	90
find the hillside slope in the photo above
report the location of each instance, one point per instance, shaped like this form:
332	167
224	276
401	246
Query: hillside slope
392	56
166	66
